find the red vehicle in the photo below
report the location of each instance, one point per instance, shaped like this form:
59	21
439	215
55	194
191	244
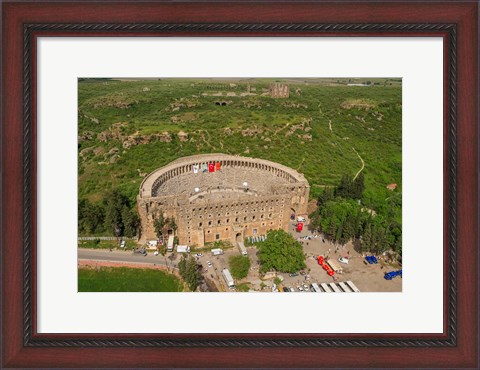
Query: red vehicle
299	226
326	266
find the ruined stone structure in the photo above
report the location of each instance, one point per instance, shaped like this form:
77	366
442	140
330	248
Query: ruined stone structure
278	90
242	197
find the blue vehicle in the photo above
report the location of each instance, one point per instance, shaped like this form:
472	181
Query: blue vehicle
371	259
392	274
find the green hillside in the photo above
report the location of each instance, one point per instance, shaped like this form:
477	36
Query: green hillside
127	128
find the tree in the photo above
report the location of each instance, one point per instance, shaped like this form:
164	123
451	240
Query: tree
119	217
91	217
344	188
130	222
327	195
188	269
358	186
159	224
173	225
281	252
239	266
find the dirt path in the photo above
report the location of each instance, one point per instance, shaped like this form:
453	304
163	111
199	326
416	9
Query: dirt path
363	164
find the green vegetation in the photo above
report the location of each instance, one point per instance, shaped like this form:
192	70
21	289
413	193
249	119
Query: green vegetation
280	252
239	266
122	279
114	216
189	271
129	128
162	225
342	217
244	287
105	244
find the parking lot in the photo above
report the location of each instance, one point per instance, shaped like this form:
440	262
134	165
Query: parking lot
367	277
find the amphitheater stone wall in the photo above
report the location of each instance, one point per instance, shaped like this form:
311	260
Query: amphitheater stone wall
223	209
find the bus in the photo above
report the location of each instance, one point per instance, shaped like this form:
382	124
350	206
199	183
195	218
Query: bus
353	287
334	287
344	287
326	288
228	278
315	288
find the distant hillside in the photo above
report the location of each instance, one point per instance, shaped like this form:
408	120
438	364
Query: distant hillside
325	129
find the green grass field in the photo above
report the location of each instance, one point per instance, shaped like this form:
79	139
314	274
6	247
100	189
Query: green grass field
122	279
129	128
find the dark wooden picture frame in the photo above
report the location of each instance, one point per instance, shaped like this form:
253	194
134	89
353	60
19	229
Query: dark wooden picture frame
23	23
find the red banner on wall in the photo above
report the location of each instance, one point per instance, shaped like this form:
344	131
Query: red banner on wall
211	167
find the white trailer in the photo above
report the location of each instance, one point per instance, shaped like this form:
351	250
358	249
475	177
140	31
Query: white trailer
217	251
353	287
344	287
242	248
334	287
183	249
170	244
326	288
335	266
228	278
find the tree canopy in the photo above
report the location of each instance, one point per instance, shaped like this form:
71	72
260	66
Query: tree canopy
114	215
341	217
281	252
189	271
239	266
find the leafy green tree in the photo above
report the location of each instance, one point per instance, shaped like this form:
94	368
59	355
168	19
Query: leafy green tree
358	186
90	217
173	225
281	252
130	222
159	224
327	195
189	271
239	266
113	212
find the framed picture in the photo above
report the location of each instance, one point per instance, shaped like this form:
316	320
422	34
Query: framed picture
171	170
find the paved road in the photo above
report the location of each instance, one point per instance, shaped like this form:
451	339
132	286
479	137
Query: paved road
121	256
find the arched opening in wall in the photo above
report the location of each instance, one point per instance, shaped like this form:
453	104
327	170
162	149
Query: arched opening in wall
238	237
169	232
292	213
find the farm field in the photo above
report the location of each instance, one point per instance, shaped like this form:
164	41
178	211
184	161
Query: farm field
123	279
325	129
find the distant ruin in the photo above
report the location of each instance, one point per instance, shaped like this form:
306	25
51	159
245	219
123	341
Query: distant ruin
279	90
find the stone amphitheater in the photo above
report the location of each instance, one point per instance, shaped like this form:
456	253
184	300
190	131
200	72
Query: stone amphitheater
241	197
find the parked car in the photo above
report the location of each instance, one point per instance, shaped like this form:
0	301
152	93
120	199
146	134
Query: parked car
293	274
209	264
343	260
392	274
